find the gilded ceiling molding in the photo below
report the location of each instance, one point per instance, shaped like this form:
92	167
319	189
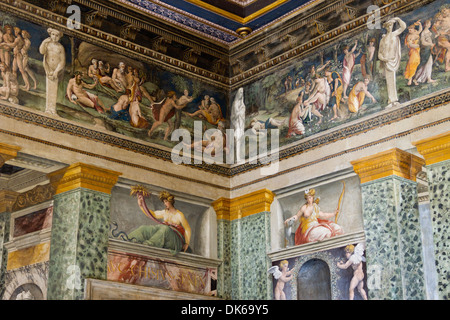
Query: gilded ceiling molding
237	18
244	206
287	28
80	175
391	162
172	15
434	149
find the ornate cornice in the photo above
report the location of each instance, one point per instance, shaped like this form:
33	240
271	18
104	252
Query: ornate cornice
7	152
80	175
237	208
299	47
388	163
434	149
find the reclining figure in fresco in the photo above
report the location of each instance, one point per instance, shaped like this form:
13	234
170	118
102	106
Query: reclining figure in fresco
313	224
172	232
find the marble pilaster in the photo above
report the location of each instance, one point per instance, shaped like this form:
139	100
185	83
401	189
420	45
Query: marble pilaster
392	225
436	151
79	242
243	244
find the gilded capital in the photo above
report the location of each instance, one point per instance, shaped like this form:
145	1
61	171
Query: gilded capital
7	152
434	149
391	162
237	208
7	200
80	175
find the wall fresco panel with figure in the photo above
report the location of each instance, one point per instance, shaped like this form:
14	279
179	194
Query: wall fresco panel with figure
323	212
154	230
372	71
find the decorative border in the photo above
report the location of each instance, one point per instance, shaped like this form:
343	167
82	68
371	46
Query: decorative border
376	121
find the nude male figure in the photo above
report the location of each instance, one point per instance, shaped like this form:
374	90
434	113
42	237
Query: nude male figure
76	93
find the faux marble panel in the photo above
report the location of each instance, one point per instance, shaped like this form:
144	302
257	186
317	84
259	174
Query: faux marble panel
28	256
4	235
224	253
34	221
393	239
250	242
439	182
79	241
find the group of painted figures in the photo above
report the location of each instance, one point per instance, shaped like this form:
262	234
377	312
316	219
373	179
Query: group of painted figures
124	80
428	44
129	82
14	46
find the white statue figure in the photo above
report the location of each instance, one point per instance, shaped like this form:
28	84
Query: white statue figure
54	63
238	121
390	55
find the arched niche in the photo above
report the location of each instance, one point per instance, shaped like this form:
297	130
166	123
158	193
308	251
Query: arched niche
314	281
320	267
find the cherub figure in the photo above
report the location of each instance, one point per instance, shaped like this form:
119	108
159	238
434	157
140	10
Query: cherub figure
284	275
355	259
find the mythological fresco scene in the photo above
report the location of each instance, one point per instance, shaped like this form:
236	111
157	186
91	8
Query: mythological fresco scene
224	150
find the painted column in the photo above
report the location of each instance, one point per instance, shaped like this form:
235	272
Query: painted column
243	244
7	199
392	225
79	241
436	151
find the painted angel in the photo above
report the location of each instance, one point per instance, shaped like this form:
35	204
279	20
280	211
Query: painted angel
284	275
355	256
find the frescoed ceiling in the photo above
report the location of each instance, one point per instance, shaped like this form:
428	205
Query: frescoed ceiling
226	21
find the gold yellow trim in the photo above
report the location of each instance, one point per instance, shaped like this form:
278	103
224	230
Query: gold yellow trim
244	206
434	149
391	162
7	200
7	152
28	256
80	175
235	17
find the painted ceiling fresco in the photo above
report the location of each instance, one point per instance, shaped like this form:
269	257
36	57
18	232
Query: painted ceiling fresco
220	19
